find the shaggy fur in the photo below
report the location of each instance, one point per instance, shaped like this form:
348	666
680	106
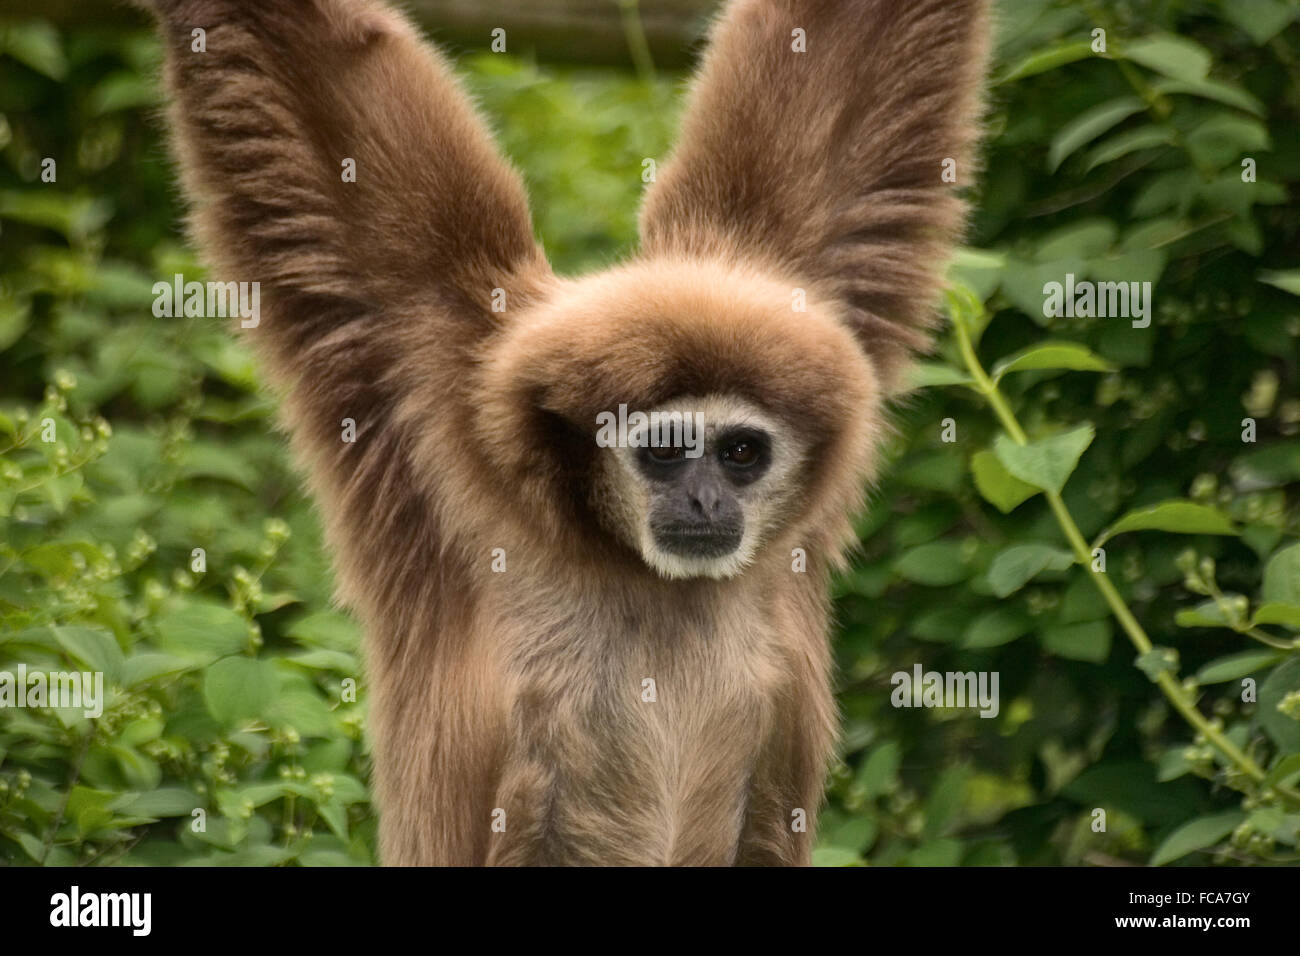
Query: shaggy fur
521	691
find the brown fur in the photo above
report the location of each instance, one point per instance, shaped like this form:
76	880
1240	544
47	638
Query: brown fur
522	690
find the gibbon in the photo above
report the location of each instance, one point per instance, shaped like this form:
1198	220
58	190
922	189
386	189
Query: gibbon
586	652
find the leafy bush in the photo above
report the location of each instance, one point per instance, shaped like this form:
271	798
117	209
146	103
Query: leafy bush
228	673
1122	166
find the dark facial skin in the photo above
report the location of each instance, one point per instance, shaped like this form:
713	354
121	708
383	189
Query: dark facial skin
696	503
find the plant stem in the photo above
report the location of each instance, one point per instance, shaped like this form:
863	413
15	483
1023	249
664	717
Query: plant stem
637	46
73	777
1136	634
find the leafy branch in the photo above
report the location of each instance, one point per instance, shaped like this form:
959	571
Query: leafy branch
1044	467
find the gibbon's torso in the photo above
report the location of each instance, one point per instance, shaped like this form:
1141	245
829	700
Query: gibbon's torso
646	756
562	753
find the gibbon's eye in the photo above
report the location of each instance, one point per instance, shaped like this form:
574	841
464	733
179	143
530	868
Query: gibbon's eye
742	454
667	453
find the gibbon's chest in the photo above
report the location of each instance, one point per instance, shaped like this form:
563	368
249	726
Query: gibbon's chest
646	727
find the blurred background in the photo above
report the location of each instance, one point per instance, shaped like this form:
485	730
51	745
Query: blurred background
1173	156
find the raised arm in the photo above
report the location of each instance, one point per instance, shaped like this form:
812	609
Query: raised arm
816	140
330	155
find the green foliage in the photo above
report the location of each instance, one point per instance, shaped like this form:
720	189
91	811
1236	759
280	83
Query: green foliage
228	674
1129	166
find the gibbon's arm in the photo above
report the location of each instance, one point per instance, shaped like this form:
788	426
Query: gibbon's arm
374	291
829	163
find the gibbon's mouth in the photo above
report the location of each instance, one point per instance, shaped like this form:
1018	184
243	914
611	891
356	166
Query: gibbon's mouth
699	541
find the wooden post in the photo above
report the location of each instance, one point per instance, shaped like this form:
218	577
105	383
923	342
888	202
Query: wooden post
559	31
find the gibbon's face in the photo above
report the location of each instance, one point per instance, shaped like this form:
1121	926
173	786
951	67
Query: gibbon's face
699	484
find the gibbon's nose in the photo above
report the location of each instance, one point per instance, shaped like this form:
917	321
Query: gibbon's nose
704	501
706	497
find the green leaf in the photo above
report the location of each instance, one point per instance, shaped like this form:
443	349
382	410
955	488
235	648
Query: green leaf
1163	192
15	317
59	490
1237	666
1281	726
88	808
1136	265
1272	466
142	668
1088	125
92	647
166	802
1175	515
1172	56
1120	145
945	851
1282	577
1019	564
854	834
947	800
33	847
1089	641
328	629
998	486
1154	233
1196	835
73	216
1081	600
1284	827
35	44
1047	463
1288	766
239	688
940	471
123	90
1052	355
301	707
1173	764
1086	239
930	374
1275	612
1025	280
335	816
1226	93
255	795
206	460
1287	281
979	270
835	856
1205	614
938	564
202	631
1261	19
1045	60
878	775
943	623
997	627
1223	138
325	660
